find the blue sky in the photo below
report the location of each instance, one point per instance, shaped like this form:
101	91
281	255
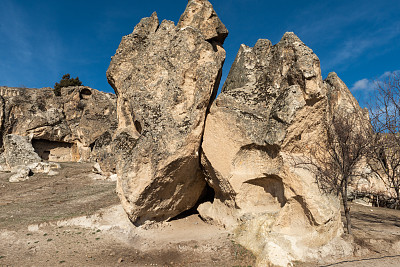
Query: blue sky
42	40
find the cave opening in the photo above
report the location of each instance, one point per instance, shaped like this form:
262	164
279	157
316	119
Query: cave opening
207	195
56	151
85	93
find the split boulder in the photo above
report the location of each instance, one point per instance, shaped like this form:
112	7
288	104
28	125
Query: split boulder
165	77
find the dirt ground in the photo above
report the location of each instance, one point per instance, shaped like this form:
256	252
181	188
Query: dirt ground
376	237
73	220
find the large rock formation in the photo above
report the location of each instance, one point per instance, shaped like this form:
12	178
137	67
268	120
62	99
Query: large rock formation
164	76
270	112
70	127
19	151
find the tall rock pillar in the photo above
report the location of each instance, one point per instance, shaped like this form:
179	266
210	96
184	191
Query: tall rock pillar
165	77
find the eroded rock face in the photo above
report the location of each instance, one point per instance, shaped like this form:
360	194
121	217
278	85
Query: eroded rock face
19	151
269	112
69	127
165	77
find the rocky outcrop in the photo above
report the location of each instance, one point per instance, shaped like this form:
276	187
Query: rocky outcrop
165	77
19	151
70	127
269	113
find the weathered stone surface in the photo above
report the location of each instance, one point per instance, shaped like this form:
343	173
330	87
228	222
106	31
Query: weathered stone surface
19	151
199	14
21	174
341	98
165	76
63	128
269	113
43	167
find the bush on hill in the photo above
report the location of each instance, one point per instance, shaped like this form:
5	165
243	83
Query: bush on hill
66	81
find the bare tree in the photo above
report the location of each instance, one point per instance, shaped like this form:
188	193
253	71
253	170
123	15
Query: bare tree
336	161
385	119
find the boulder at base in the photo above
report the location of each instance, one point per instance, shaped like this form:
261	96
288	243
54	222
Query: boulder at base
270	112
165	77
18	151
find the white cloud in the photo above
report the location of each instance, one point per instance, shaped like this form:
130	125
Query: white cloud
388	73
370	84
363	84
341	33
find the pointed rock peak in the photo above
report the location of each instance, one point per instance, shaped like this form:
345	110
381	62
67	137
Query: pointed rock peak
334	80
263	43
201	15
262	47
147	25
332	76
290	38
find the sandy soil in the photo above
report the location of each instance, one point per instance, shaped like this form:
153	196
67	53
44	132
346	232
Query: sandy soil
73	220
376	237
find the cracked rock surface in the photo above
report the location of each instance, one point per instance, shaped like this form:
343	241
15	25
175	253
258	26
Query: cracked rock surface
270	112
81	121
165	76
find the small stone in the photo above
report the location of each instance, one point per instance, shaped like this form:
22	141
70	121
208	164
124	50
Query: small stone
21	174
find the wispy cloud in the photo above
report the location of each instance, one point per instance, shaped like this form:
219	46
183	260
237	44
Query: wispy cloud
371	84
352	30
359	45
363	84
30	48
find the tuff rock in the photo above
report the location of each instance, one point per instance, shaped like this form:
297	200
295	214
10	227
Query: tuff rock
43	167
19	151
165	77
21	173
341	99
70	127
269	113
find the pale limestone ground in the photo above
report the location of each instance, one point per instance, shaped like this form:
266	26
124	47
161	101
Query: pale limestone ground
376	235
73	220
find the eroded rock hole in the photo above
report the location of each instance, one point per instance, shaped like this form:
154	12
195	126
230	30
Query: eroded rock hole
138	127
85	93
56	151
263	194
207	195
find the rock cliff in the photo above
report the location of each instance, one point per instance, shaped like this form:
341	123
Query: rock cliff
270	112
70	127
165	77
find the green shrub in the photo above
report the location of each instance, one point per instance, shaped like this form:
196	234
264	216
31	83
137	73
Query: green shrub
66	81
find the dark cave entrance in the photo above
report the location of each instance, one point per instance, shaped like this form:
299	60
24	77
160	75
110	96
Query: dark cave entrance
56	151
207	195
85	93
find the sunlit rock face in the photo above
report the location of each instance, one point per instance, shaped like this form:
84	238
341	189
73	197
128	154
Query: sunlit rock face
165	76
69	127
269	113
